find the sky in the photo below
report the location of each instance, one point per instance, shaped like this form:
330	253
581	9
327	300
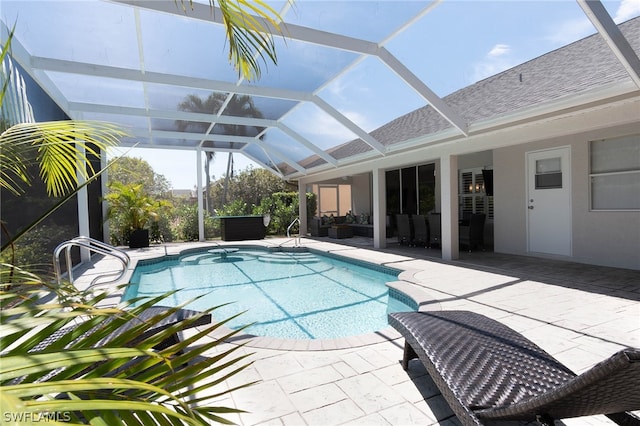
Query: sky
451	47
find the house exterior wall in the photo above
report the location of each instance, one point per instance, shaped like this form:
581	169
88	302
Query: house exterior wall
361	201
610	238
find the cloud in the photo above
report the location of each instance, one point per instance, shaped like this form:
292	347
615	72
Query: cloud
628	9
496	60
575	29
319	127
570	31
499	50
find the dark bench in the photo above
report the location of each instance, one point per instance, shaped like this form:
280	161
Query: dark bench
487	371
68	336
170	320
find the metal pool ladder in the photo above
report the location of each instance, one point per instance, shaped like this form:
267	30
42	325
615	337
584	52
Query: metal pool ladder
296	241
94	246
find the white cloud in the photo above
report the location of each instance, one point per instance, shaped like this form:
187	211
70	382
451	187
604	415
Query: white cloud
575	29
324	127
496	60
570	31
628	9
499	50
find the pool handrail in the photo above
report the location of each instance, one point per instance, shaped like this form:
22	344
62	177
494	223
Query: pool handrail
92	245
296	242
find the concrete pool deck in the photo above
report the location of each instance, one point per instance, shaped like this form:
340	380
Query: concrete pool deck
579	313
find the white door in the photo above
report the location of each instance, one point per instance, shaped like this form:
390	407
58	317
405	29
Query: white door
549	201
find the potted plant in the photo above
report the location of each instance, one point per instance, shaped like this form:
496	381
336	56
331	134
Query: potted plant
131	209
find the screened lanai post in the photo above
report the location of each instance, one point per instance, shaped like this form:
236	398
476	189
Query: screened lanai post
379	208
201	236
449	205
302	208
106	230
83	204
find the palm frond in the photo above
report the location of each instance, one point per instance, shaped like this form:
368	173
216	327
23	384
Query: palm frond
62	148
250	26
93	370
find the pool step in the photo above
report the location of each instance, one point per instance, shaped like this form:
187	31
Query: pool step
209	255
194	259
289	258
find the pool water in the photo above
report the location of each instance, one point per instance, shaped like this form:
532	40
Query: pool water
292	295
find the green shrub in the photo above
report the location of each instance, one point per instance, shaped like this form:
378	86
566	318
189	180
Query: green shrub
283	209
186	224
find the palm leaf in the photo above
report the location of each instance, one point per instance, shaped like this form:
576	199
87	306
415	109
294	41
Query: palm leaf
249	26
122	380
63	149
5	51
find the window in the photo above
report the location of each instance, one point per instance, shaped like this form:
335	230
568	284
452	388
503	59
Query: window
411	190
549	173
615	173
473	195
333	199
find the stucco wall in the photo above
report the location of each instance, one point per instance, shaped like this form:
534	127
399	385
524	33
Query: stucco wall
361	201
609	238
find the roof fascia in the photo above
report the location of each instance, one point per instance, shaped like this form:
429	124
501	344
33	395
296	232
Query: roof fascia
449	141
614	38
568	104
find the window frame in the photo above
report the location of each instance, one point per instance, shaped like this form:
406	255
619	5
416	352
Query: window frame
603	174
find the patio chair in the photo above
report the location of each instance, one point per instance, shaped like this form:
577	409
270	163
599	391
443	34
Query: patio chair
404	229
435	231
420	230
488	372
472	236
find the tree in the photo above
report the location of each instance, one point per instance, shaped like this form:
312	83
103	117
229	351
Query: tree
215	103
134	170
252	185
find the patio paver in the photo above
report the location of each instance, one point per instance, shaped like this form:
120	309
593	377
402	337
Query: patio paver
578	313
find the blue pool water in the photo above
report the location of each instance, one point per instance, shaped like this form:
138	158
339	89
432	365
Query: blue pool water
292	295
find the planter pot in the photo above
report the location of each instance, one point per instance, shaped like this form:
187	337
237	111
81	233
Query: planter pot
139	238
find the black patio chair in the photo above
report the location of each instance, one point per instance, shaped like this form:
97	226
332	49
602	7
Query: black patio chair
404	229
435	230
472	235
488	372
420	230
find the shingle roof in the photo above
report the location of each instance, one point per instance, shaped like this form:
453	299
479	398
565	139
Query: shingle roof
583	65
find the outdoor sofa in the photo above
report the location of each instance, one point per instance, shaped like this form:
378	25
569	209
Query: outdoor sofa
488	372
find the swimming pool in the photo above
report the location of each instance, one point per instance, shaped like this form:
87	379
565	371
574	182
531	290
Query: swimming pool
297	294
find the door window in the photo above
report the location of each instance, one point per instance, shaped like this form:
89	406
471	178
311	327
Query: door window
549	173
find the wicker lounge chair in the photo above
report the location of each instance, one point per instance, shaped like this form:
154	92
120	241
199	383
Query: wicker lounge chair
171	319
487	372
187	317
